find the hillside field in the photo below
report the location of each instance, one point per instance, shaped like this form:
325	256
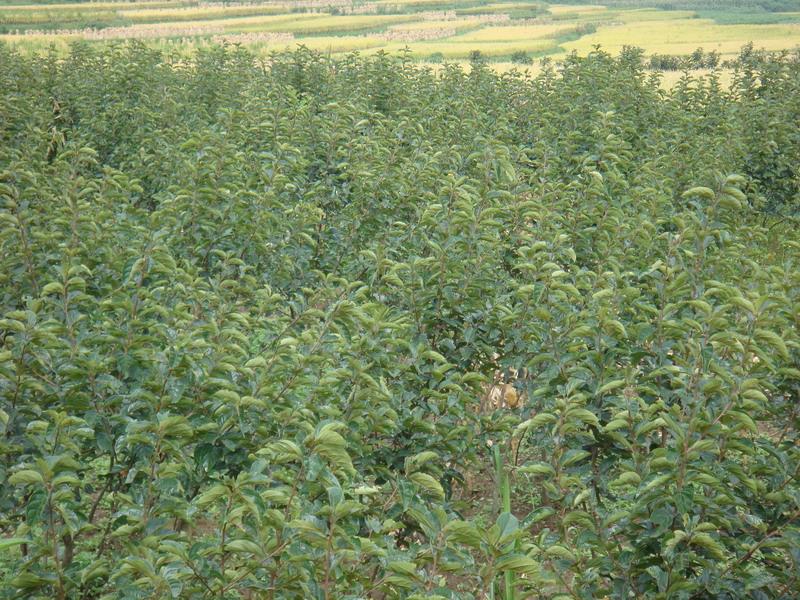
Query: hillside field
435	30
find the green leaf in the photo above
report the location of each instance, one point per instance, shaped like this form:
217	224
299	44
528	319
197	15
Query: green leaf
709	543
615	424
431	354
520	564
463	532
429	484
418	460
700	191
506	527
774	340
627	478
228	396
26	477
573	457
658	482
611	386
53	287
534	423
244	546
258	361
537	469
586	416
211	495
11	542
558	551
403	567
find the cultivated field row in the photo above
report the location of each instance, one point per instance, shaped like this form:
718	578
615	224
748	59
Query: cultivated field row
434	30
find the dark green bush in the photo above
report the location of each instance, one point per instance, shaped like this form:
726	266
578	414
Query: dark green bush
521	58
476	56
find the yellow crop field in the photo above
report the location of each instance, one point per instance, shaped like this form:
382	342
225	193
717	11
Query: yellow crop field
515	33
261	23
257	23
457	24
423	4
92	6
28	18
37	44
451	49
327	24
325	44
197	13
332	44
651	15
568	9
499	7
682	36
36	14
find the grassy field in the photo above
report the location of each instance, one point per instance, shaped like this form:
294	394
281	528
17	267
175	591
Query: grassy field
433	29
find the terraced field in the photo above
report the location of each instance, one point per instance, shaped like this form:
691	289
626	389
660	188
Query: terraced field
434	30
683	35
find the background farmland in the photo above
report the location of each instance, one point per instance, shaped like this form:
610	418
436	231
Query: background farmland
505	33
